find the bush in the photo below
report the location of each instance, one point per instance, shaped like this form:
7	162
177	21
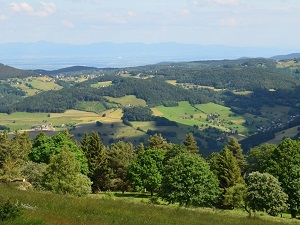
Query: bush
9	210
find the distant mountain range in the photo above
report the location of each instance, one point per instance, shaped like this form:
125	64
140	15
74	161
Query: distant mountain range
49	56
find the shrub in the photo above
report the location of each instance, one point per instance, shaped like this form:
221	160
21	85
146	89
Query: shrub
9	210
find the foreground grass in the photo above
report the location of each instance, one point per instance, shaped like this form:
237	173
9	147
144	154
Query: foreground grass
47	208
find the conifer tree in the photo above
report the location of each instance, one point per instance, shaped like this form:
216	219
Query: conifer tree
191	144
237	151
97	158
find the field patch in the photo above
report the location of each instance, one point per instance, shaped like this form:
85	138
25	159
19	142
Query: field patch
101	84
128	100
96	107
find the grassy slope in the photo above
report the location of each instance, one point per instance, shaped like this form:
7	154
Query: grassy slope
47	208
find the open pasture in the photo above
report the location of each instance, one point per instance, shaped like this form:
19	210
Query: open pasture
46	208
129	100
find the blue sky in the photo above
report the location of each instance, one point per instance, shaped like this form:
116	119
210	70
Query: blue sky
253	23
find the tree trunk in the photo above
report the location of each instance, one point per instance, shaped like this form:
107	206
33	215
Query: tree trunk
293	213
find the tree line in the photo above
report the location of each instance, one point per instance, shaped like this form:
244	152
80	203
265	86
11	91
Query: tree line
266	179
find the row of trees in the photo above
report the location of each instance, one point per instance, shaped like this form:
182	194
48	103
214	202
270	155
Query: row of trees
266	179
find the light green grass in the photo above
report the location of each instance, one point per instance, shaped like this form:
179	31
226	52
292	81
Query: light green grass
188	115
96	107
128	100
47	208
101	84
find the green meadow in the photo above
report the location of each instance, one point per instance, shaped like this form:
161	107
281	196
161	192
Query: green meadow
44	208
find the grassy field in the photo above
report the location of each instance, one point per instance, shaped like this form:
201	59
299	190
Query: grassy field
128	100
188	115
131	209
37	84
101	84
25	121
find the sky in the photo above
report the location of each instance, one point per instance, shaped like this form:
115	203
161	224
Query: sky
242	23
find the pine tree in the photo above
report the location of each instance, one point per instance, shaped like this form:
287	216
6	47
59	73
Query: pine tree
97	157
157	141
237	151
191	144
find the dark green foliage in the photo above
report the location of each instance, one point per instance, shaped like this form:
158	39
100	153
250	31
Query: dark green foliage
191	144
98	164
237	151
259	157
188	180
153	90
10	72
146	171
285	165
137	113
9	210
264	193
226	167
162	121
120	156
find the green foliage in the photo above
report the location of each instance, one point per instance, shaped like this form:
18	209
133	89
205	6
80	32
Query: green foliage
137	113
63	175
188	180
34	173
284	164
237	151
259	157
97	158
9	210
146	171
191	144
13	154
44	147
120	156
264	193
225	166
159	142
235	196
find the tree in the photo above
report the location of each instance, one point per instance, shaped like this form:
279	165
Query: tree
187	179
264	193
226	168
13	154
235	196
191	144
157	141
237	151
284	164
63	174
120	156
259	157
97	158
146	171
44	147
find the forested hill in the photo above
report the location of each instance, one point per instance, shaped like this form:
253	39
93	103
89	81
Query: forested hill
243	74
153	90
10	72
65	70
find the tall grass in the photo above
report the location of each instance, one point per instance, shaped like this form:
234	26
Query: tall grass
47	208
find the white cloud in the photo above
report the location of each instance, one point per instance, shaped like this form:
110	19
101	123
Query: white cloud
19	7
44	10
68	24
